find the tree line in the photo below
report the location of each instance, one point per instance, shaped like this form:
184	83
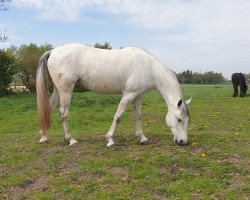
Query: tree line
210	77
18	66
188	77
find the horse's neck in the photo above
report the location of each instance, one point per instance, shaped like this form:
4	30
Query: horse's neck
168	86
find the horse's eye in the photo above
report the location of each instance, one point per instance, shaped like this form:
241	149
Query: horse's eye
178	119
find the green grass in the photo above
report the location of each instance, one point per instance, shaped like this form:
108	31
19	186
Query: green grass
215	164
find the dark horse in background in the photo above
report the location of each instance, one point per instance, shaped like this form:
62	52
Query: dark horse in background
239	79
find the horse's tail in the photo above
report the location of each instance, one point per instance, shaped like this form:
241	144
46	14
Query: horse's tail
43	104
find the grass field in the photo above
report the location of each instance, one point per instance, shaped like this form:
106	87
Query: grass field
215	164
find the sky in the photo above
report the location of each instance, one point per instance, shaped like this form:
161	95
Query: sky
199	35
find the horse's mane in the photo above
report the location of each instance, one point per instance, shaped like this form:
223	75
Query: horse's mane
170	72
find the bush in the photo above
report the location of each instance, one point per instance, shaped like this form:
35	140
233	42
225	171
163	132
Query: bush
6	71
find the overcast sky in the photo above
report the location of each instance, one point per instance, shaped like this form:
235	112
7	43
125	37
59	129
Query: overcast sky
200	35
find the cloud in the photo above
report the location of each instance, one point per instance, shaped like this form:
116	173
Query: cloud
60	10
198	31
186	21
215	32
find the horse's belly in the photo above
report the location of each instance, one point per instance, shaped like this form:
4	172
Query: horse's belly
102	85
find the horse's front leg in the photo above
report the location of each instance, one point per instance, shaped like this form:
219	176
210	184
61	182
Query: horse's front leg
123	105
137	115
235	90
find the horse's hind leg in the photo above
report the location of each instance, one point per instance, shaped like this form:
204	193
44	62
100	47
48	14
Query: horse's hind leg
241	90
137	115
123	105
65	99
44	137
54	101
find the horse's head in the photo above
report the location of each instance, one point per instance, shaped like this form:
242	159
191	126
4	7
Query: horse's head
177	119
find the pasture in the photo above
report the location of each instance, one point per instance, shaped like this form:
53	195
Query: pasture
214	165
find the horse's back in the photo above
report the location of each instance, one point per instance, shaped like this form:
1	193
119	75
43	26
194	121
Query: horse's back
99	70
238	76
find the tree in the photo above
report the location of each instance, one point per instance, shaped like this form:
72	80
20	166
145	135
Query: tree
27	57
106	45
185	77
3	37
247	77
6	71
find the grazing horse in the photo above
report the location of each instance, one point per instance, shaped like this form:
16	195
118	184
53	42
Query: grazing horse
239	79
131	72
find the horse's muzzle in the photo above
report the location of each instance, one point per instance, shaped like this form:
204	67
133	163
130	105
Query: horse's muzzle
181	142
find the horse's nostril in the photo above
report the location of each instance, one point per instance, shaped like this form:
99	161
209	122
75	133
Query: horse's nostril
179	142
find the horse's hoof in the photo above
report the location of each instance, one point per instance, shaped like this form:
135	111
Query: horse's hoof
111	147
72	143
110	144
145	142
43	140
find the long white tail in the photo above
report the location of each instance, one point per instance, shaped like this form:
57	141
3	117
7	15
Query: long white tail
43	104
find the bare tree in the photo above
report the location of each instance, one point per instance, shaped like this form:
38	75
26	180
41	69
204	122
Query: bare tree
3	7
2	4
3	37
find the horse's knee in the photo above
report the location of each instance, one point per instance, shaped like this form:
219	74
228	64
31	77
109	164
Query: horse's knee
117	120
64	113
63	118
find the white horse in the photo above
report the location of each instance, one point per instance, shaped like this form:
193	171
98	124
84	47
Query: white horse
131	72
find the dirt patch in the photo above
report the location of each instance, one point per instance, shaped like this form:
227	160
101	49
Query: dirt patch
119	171
175	171
39	184
88	176
157	194
237	159
235	185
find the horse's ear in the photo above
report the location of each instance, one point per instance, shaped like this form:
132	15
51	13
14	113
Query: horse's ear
188	101
179	103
